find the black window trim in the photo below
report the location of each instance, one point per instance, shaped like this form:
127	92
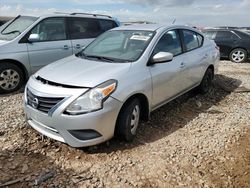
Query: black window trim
26	36
182	39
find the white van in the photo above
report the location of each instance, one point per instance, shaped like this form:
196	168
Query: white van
28	43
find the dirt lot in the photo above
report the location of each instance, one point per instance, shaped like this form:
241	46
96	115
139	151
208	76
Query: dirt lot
194	141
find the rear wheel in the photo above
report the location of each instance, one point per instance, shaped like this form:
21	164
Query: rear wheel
11	78
238	55
206	82
128	120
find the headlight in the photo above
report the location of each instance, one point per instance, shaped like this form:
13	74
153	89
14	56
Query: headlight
93	99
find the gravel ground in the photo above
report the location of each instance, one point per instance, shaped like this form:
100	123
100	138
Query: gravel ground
194	141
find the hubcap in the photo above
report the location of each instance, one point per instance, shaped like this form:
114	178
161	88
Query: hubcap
9	79
238	56
135	119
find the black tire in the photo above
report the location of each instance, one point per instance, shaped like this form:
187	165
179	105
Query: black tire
124	129
238	55
11	78
206	82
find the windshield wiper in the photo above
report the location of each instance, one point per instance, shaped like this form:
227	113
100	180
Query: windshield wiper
11	32
102	58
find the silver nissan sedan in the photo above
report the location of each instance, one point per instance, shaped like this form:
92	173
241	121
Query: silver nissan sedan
118	80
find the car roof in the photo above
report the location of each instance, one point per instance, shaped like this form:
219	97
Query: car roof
77	15
152	27
218	29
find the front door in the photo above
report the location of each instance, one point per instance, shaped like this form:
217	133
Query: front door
167	77
52	44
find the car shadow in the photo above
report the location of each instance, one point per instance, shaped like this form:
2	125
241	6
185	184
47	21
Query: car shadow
173	116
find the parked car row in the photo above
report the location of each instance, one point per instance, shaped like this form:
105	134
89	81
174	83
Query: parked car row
28	43
234	44
99	88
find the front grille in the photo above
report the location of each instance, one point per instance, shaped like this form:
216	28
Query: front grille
43	104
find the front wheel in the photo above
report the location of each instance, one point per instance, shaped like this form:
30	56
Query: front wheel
128	120
11	78
238	55
206	82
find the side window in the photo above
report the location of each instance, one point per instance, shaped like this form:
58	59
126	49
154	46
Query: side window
225	35
106	25
190	39
169	42
51	29
84	28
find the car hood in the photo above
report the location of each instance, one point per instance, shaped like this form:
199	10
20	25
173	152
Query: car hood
2	42
80	72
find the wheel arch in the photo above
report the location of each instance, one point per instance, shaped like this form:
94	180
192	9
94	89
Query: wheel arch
212	68
19	64
143	102
237	48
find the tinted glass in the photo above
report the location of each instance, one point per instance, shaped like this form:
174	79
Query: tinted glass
223	35
169	42
51	29
106	25
121	46
190	40
82	28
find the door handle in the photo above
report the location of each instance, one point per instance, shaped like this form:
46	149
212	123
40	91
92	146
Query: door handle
78	46
65	47
182	65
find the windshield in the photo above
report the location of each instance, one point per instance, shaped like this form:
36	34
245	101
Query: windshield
119	46
12	29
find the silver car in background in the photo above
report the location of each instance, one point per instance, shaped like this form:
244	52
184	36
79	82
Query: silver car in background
28	43
116	81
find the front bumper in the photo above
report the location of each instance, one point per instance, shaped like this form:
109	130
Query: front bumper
59	126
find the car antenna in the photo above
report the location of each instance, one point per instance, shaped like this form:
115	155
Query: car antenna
174	21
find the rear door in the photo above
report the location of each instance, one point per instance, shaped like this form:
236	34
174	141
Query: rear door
197	57
52	44
84	30
225	40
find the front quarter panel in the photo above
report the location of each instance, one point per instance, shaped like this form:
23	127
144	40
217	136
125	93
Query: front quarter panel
14	51
136	81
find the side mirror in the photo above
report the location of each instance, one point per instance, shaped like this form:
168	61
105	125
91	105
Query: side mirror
162	57
34	38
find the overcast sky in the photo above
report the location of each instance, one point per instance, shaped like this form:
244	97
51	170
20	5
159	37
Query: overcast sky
195	12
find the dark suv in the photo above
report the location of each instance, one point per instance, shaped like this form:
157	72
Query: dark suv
234	44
